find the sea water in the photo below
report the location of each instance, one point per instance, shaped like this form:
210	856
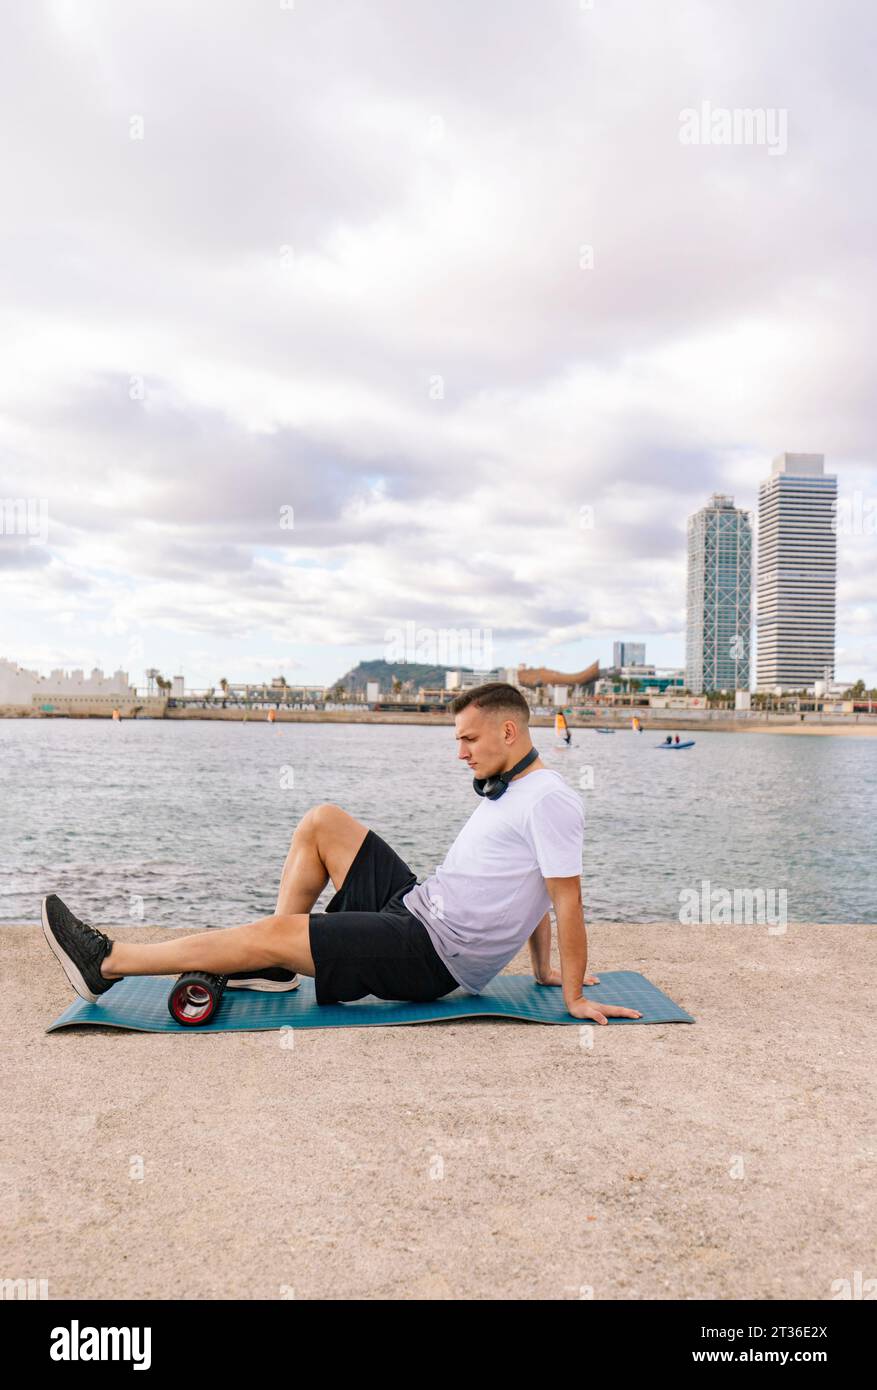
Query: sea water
187	823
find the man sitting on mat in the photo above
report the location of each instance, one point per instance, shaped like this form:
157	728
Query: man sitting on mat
383	933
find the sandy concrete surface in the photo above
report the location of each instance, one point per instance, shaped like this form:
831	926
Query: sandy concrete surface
483	1159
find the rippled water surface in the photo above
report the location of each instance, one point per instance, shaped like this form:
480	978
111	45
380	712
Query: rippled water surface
195	819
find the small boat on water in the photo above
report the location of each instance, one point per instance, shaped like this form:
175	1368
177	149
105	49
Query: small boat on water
686	743
602	730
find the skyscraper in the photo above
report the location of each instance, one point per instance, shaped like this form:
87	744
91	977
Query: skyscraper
717	638
629	654
797	564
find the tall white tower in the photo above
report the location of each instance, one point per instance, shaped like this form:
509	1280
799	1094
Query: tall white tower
797	567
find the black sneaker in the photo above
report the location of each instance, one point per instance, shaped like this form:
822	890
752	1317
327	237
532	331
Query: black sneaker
272	977
80	948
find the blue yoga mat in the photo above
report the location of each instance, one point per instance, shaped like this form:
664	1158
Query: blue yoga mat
140	1002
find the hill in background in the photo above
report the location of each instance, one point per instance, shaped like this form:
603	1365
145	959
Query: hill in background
384	672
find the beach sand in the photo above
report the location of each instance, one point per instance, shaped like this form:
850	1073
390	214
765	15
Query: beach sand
482	1159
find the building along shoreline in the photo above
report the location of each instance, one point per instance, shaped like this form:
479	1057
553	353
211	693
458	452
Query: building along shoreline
691	720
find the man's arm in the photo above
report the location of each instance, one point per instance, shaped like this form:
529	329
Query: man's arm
540	951
572	936
572	939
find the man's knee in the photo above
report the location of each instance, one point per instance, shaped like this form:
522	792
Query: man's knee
319	819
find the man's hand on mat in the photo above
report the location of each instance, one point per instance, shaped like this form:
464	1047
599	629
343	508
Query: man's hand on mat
553	977
599	1013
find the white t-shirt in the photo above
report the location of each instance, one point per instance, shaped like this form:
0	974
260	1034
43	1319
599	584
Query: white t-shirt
489	894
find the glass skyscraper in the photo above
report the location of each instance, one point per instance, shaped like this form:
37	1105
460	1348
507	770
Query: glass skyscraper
629	654
797	561
718	630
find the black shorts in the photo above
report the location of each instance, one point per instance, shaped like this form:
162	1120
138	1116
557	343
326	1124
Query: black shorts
366	942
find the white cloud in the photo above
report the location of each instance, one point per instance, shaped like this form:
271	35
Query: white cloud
433	172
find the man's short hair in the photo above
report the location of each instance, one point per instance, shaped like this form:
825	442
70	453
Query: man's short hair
496	696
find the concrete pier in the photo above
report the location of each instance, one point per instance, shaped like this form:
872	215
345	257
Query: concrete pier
481	1159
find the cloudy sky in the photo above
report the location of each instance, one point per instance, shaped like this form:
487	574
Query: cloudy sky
440	285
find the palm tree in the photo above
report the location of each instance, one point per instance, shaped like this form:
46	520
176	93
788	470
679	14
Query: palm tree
223	685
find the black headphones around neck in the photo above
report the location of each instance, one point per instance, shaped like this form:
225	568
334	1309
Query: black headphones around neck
495	787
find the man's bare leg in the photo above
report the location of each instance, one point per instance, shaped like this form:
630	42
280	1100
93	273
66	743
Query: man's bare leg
324	845
276	940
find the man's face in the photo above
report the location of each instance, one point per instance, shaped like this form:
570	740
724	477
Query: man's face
484	738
